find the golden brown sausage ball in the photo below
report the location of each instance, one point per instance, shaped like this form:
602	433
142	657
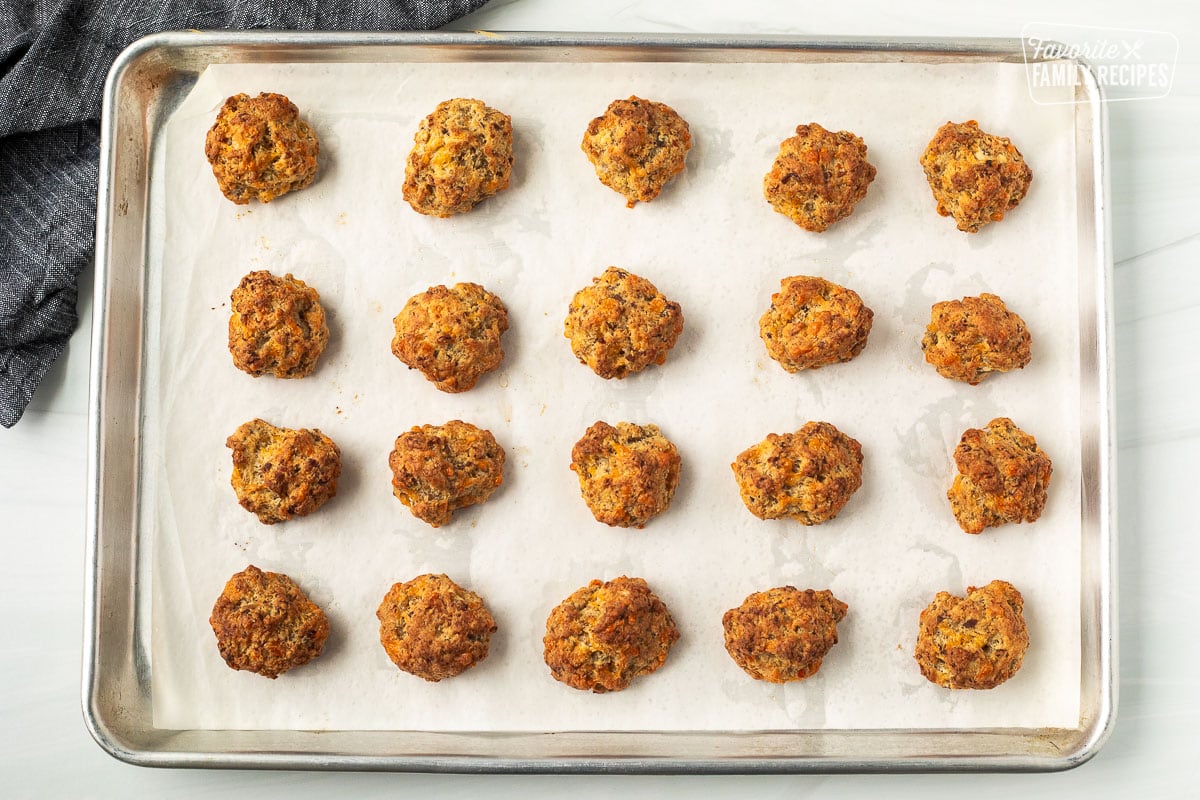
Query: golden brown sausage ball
259	148
462	154
808	475
813	322
1003	477
974	176
973	642
277	326
621	324
451	335
280	473
627	474
433	628
818	177
637	146
606	634
438	469
970	338
782	634
266	624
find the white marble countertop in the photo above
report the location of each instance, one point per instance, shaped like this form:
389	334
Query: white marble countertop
1155	749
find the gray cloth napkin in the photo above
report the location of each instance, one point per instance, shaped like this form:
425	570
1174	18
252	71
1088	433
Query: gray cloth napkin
54	55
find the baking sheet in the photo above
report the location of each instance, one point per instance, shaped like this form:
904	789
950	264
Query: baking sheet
709	242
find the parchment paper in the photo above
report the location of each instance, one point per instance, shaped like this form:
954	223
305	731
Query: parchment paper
713	244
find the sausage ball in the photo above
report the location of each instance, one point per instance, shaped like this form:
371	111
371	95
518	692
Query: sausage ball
973	642
818	177
277	326
808	475
627	474
1003	477
637	146
266	624
968	339
782	634
438	469
462	154
606	634
974	176
280	473
813	323
433	628
621	324
259	148
451	335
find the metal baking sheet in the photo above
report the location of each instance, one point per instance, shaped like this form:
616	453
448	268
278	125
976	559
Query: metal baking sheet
149	81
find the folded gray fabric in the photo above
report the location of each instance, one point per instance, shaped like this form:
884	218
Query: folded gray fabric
54	55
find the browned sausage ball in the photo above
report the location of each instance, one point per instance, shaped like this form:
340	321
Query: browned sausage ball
1003	477
606	634
973	642
808	475
280	473
813	323
259	148
970	338
975	177
433	628
627	474
462	154
818	177
451	335
277	326
782	634
438	469
621	324
637	146
266	624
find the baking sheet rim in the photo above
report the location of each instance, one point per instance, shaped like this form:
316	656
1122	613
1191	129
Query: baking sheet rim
1096	718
